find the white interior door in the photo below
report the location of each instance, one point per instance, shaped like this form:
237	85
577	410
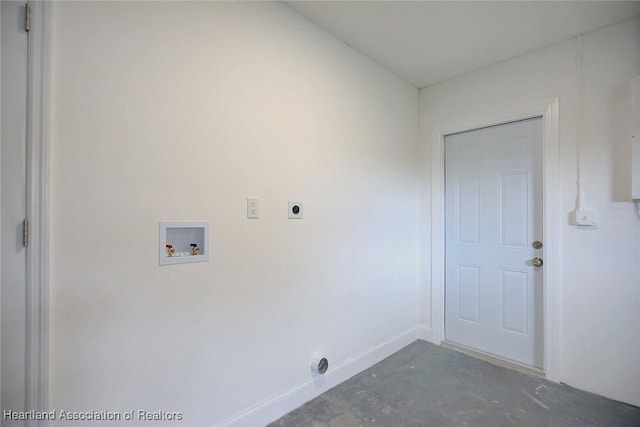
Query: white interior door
493	209
13	90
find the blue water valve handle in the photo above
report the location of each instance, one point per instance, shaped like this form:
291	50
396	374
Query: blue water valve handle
195	250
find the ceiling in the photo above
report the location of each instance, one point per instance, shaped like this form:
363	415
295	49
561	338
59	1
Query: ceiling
425	42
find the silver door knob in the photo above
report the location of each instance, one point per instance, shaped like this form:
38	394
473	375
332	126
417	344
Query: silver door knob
537	262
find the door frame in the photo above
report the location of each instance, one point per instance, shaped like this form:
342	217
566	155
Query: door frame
37	274
547	109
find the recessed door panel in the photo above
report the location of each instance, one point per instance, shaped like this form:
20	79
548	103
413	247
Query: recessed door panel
468	211
514	301
514	209
469	293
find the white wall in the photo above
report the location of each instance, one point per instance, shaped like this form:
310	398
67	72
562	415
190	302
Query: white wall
179	111
600	269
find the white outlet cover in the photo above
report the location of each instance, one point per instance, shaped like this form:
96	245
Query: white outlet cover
253	207
293	212
586	217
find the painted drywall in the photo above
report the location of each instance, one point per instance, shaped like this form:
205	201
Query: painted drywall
180	111
600	268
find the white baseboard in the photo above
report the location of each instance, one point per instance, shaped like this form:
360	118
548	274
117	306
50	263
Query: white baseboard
275	407
427	334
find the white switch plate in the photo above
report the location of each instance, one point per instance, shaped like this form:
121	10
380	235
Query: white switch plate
293	212
253	207
585	217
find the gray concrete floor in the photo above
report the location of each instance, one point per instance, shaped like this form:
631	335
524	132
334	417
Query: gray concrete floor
427	385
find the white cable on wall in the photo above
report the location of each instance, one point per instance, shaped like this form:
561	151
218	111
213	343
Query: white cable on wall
634	125
579	195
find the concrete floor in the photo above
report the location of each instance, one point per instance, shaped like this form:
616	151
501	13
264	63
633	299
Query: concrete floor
427	385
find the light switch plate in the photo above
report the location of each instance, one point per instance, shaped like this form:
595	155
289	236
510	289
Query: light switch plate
585	217
295	210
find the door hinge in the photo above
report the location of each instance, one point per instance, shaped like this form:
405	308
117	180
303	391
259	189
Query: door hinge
25	233
27	17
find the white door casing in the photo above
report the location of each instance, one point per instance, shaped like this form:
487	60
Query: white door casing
493	114
13	157
493	213
25	105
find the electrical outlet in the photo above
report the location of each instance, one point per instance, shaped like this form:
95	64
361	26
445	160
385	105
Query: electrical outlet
585	217
253	208
295	210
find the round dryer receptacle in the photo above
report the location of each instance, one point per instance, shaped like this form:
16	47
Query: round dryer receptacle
319	365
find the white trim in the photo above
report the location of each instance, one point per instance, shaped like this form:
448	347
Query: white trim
425	333
548	110
551	236
1	374
37	274
281	404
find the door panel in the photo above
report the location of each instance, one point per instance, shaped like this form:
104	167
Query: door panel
493	207
13	196
469	211
514	301
514	210
469	293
